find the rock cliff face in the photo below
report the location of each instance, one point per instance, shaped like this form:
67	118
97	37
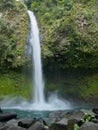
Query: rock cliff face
13	31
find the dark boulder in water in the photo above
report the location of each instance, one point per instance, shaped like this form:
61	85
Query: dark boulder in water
1	110
26	123
7	116
95	110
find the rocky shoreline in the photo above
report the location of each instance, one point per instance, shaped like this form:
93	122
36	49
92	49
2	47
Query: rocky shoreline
58	120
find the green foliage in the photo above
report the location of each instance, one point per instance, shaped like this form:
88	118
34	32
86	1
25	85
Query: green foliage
90	88
13	31
76	127
7	4
86	118
69	36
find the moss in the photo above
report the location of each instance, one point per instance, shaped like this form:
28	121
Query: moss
90	87
15	84
74	84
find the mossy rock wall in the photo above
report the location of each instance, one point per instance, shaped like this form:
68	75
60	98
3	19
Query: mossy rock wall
15	83
73	84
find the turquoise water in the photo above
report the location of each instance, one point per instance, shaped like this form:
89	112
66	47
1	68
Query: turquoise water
29	114
39	114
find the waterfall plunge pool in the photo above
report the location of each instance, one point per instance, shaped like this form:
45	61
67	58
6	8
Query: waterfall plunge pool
40	114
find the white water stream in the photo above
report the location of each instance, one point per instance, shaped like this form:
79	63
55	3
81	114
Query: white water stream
36	58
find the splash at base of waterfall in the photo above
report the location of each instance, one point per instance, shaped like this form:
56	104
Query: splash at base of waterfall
20	103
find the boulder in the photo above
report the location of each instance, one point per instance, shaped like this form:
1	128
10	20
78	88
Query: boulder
47	121
95	110
78	114
64	121
56	116
89	112
26	123
55	126
71	123
1	110
7	116
38	125
15	128
94	120
89	126
1	125
61	125
96	116
12	122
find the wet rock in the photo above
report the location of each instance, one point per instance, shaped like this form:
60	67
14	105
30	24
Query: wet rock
61	125
12	122
89	112
89	126
55	126
64	121
47	121
95	110
1	125
38	125
1	110
71	124
26	123
96	116
8	124
15	128
78	114
56	116
46	128
7	116
94	120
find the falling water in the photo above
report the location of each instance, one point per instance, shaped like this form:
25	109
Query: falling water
36	57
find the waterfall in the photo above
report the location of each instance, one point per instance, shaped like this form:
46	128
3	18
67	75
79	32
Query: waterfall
36	58
38	101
